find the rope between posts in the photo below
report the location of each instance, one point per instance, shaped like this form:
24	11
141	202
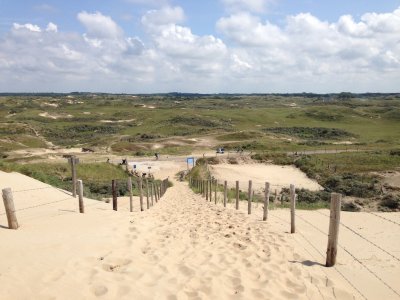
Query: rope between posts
352	255
34	189
43	204
315	248
376	215
364	238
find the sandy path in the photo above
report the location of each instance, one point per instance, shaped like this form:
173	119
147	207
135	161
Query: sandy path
186	248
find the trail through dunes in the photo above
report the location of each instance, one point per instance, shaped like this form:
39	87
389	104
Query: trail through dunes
182	248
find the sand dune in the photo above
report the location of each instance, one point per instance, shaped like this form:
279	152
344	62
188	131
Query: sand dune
182	248
278	176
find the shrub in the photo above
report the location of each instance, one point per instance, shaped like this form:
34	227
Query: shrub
390	201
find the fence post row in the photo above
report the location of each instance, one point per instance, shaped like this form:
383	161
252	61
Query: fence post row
141	193
225	192
333	229
130	194
73	170
249	197
210	189
292	208
147	194
207	190
114	194
80	194
237	195
215	190
151	194
266	201
10	209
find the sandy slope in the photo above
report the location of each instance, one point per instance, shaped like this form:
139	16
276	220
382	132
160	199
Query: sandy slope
182	248
278	176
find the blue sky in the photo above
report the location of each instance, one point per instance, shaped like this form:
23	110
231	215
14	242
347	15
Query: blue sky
200	46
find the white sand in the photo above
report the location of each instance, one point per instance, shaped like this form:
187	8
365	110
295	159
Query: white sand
277	176
185	248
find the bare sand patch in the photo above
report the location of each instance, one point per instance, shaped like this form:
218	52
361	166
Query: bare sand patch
117	121
277	176
55	116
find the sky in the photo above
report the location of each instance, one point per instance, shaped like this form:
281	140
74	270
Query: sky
208	46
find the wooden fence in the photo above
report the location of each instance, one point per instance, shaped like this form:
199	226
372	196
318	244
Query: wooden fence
203	186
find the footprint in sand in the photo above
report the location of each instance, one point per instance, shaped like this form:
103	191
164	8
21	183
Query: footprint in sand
116	265
99	290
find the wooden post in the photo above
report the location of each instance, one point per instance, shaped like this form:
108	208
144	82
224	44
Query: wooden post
276	196
114	194
73	170
151	194
237	195
292	208
130	194
147	194
334	222
249	197
215	190
80	194
126	165
210	190
225	192
141	193
154	191
206	190
266	202
8	201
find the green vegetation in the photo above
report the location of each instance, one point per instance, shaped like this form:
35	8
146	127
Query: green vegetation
313	133
251	122
268	126
95	176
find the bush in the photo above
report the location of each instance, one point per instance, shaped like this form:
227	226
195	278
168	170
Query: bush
351	185
314	133
350	206
395	152
390	201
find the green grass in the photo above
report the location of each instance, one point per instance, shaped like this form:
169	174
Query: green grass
252	122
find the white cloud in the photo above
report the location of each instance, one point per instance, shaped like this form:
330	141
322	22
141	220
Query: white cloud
252	55
28	26
51	27
167	15
99	26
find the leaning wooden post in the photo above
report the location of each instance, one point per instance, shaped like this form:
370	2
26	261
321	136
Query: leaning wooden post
80	195
129	183
334	222
292	208
73	170
249	197
215	190
114	194
147	194
225	192
266	202
141	193
237	195
8	201
206	190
